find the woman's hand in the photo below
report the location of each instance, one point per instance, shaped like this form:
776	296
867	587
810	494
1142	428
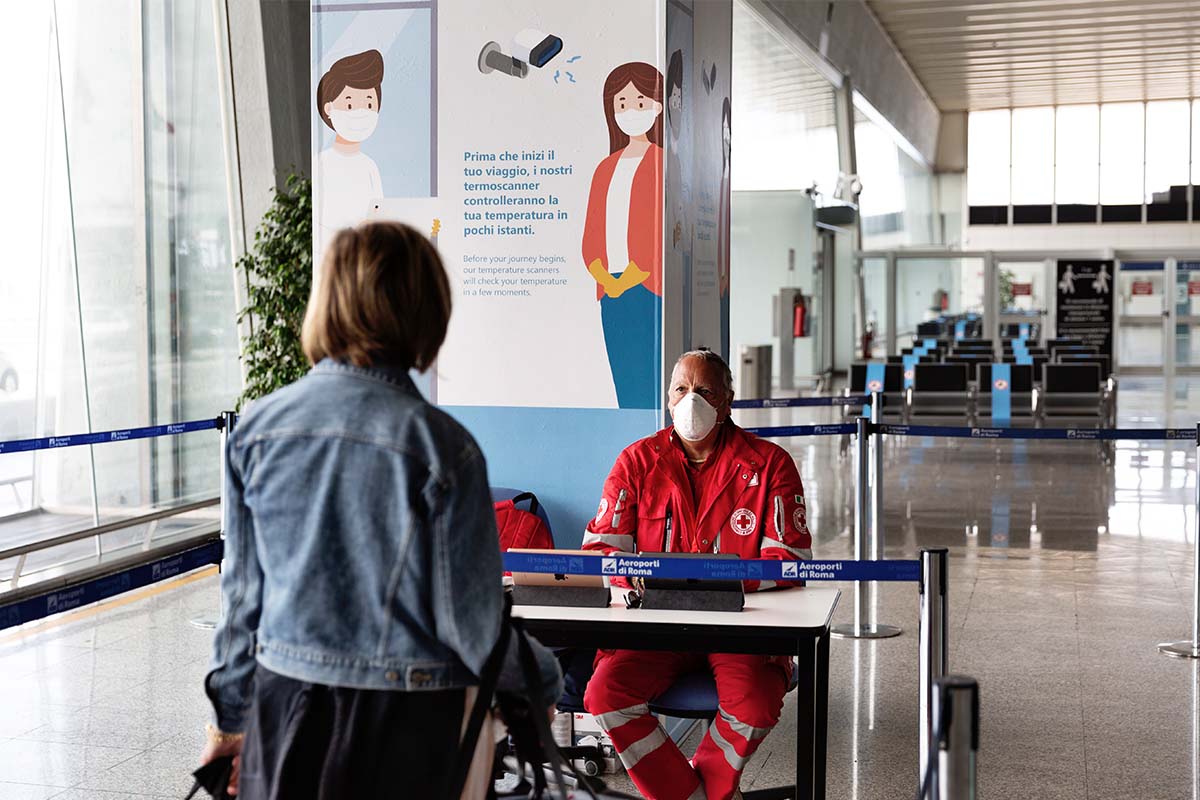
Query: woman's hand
224	744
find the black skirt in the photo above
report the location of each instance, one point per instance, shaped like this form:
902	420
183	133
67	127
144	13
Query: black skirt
307	741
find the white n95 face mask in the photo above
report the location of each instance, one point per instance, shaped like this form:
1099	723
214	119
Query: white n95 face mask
636	121
356	125
694	418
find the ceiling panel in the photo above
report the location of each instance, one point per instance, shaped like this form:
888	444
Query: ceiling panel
974	55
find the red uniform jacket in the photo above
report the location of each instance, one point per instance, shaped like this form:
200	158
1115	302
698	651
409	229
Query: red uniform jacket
750	501
645	217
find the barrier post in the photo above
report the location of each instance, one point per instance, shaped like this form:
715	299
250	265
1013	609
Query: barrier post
864	626
878	629
956	708
934	649
225	423
1191	649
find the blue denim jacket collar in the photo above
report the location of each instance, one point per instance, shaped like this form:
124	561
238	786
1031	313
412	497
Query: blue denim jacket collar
389	373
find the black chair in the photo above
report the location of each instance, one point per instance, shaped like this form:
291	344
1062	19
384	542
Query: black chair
1082	358
893	389
1038	362
1064	341
940	394
1021	411
971	359
1056	353
1072	395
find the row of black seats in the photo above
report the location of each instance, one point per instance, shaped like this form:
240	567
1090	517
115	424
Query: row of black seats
1067	394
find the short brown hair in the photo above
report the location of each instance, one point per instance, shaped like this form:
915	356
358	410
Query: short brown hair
359	71
382	297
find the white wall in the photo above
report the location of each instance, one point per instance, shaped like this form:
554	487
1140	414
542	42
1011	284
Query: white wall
765	226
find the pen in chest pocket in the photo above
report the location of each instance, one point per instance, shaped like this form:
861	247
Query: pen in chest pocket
667	531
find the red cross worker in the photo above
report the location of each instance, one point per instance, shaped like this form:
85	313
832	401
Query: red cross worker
703	485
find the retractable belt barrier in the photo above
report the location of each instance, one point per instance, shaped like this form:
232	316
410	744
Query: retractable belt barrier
1086	434
1091	434
63	599
804	430
100	437
803	402
716	569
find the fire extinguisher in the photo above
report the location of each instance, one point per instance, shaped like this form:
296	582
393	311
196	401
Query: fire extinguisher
799	317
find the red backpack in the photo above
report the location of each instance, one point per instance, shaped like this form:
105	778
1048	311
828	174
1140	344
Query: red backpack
521	528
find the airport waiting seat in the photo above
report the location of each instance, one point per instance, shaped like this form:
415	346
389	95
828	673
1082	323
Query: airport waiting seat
940	395
1064	341
1057	352
1038	361
1083	358
1021	409
1073	396
893	390
968	358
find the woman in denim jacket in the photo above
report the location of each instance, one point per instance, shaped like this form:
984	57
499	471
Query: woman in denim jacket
362	578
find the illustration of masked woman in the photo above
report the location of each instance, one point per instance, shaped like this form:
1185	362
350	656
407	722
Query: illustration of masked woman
622	236
349	96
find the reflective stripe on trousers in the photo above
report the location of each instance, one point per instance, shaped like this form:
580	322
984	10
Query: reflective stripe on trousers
618	540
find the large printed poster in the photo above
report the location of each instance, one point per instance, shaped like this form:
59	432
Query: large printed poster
542	185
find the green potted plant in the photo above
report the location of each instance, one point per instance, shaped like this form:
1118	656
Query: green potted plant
278	272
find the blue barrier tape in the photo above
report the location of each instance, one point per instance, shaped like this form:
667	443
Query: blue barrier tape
49	442
93	591
721	569
805	430
802	402
1102	434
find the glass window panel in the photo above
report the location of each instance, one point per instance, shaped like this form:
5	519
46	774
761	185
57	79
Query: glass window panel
786	135
1166	147
123	312
988	158
1196	142
1122	153
1077	155
1033	156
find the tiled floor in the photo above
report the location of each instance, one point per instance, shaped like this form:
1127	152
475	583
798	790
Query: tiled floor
1065	573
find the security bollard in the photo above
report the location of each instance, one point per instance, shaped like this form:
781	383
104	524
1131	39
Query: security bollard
1191	649
866	500
956	710
934	647
880	630
226	422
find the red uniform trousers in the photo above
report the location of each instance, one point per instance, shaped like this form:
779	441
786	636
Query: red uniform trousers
750	692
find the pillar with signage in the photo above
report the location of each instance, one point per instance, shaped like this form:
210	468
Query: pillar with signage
1085	302
532	140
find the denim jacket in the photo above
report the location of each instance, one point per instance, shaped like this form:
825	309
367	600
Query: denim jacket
361	547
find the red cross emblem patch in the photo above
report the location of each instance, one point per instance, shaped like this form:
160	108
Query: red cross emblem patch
743	522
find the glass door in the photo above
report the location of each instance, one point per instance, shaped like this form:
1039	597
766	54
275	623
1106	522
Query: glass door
1026	294
1187	318
1141	312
